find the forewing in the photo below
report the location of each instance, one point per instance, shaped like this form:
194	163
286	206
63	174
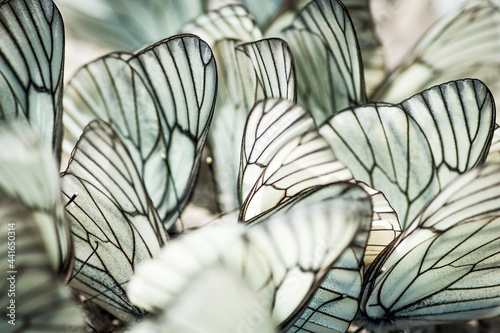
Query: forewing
31	63
444	267
113	221
327	59
282	155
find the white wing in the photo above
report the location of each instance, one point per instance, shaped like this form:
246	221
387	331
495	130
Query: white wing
282	156
34	297
284	257
215	301
327	59
445	267
112	218
160	101
464	43
248	73
31	66
29	174
128	25
410	159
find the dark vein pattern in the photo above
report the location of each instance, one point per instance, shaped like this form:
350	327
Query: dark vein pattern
31	66
112	218
42	303
411	159
29	174
160	101
284	257
327	59
463	44
282	155
445	267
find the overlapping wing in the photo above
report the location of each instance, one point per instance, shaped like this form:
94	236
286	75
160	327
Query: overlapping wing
282	155
160	101
113	221
327	59
31	66
284	258
463	44
443	268
404	150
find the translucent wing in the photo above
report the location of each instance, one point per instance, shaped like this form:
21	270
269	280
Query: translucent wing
217	300
228	22
31	66
443	268
34	297
369	44
494	153
284	258
160	101
248	73
465	43
129	25
113	221
410	159
29	175
282	155
327	59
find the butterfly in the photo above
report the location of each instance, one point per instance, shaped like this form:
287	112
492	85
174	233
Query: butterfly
31	67
283	257
160	100
37	256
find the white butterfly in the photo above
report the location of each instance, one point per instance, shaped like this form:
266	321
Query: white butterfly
160	101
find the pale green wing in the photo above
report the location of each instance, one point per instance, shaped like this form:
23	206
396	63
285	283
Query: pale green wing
31	66
160	101
282	155
128	24
29	174
215	301
228	22
463	44
445	267
327	59
33	296
411	159
113	221
284	258
248	72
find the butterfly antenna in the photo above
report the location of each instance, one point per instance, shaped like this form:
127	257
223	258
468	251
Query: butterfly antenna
73	197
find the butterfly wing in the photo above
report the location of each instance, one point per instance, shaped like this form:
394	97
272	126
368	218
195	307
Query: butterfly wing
284	258
444	267
160	101
217	300
327	59
113	221
410	159
494	153
29	175
31	66
282	156
464	43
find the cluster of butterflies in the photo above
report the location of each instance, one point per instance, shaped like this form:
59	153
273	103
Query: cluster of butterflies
336	211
